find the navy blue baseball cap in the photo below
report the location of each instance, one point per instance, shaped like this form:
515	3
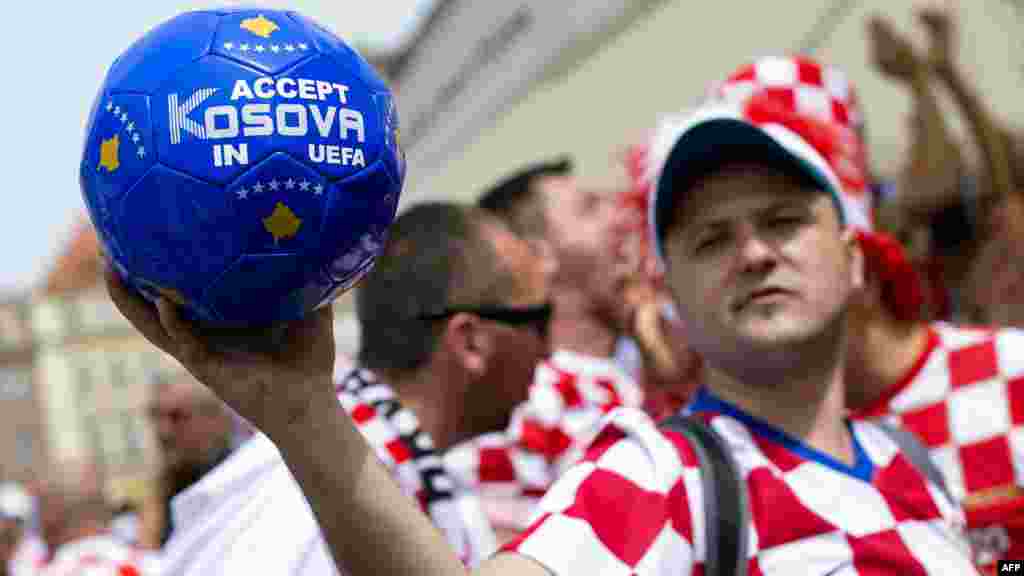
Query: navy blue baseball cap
686	149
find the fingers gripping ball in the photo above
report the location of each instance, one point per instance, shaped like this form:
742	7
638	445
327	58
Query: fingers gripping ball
244	163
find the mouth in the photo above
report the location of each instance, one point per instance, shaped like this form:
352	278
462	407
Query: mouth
760	295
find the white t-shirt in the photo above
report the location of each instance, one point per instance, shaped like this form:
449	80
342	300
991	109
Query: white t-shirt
249	516
246	516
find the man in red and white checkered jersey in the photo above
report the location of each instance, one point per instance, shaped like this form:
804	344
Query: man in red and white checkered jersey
953	387
760	258
857	506
961	393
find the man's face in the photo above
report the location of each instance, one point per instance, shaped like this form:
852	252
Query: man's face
192	429
584	227
519	348
756	260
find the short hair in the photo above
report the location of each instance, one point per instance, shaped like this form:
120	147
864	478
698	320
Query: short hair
514	198
438	255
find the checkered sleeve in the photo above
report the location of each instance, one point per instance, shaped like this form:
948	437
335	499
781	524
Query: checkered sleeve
626	508
967	406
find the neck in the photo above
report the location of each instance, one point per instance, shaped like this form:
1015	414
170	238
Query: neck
442	405
886	352
183	477
577	328
804	399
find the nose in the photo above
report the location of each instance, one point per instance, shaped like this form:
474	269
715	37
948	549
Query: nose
755	255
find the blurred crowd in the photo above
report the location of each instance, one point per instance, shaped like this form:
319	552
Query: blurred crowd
496	337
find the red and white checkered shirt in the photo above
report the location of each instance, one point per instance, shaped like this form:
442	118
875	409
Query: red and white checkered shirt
634	506
408	452
964	398
101	555
568	398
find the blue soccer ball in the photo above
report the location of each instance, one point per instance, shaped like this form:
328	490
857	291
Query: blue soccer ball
244	163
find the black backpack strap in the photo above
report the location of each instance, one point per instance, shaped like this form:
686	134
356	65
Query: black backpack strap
726	510
918	455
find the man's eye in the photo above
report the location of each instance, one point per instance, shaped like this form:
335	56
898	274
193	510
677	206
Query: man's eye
784	221
707	243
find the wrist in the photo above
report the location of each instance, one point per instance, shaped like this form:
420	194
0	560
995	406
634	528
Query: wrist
301	416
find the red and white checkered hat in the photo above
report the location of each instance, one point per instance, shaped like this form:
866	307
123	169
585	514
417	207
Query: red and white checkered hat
822	99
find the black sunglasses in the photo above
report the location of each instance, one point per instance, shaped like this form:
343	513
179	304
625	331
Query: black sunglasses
537	317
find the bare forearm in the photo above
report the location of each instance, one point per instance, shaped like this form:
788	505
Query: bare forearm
931	176
989	137
370	526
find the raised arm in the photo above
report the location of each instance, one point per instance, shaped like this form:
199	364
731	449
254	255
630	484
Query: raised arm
930	180
991	140
282	384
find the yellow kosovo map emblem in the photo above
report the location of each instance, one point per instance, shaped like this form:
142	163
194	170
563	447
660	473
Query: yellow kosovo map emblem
282	222
260	26
110	154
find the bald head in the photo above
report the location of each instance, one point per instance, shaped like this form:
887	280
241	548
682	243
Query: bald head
193	427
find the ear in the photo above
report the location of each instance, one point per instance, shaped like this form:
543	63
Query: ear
544	251
469	342
855	255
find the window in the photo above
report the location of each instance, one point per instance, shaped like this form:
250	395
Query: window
15	384
24	446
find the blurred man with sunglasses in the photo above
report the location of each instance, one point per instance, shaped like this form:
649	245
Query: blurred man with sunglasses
455	323
454	319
